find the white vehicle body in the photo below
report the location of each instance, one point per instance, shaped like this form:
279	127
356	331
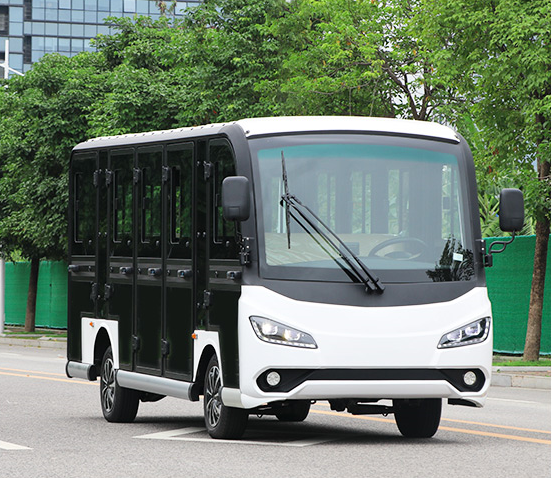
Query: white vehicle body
301	259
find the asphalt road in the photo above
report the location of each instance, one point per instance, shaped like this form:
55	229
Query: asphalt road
51	426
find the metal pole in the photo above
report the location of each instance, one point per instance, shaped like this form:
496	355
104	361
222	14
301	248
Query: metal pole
2	262
7	60
6	64
2	294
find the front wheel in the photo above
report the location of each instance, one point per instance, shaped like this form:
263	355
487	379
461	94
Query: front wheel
418	418
119	405
221	421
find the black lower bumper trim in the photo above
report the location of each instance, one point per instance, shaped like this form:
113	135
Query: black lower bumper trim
292	378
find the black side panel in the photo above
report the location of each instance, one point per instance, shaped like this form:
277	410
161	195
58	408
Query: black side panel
150	273
80	286
103	234
82	282
201	222
179	243
120	262
224	272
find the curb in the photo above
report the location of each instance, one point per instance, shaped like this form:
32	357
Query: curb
43	342
519	377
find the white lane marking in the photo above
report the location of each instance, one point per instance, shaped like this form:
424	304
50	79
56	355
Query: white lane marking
171	434
4	445
177	436
510	400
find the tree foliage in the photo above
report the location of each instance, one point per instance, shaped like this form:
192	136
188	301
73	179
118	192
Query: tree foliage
42	116
496	54
482	66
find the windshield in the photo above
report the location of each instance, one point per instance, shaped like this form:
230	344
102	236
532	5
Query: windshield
396	205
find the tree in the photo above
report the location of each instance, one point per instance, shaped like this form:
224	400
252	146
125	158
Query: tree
227	54
357	58
229	59
143	83
42	116
497	54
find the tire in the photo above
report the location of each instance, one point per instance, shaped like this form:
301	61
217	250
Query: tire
294	411
418	418
221	421
119	405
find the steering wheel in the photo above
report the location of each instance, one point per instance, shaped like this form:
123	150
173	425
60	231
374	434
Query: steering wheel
400	255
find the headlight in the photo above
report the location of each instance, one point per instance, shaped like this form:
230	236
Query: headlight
275	333
472	333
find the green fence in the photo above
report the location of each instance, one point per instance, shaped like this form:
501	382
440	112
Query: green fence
509	287
51	298
508	282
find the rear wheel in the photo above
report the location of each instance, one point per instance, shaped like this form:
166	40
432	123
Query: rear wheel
418	418
294	411
119	404
221	421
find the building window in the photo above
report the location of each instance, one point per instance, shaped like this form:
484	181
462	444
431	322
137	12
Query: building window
50	44
130	6
28	10
27	46
77	16
16	14
117	6
38	13
4	20
51	14
38	28
64	44
77	45
16	45
103	5
77	30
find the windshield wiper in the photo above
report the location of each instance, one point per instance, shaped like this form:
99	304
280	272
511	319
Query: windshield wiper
286	194
332	240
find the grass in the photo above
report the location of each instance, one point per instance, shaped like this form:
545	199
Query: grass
19	332
501	361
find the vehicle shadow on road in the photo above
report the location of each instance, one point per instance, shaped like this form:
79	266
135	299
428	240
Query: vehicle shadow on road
270	431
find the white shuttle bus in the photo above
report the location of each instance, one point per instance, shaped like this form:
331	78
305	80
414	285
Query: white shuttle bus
270	263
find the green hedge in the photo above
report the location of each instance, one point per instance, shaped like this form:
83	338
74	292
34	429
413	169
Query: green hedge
508	282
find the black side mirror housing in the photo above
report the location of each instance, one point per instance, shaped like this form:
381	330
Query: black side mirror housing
511	212
235	198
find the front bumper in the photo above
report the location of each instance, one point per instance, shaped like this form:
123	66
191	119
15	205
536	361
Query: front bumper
363	352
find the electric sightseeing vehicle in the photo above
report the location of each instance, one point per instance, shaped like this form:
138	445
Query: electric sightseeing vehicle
270	263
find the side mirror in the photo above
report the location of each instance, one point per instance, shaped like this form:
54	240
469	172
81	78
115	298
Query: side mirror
235	198
511	210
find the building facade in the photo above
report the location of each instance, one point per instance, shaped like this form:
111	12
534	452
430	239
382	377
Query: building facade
37	27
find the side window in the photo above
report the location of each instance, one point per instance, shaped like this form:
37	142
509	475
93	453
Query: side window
326	197
121	163
122	205
223	233
362	195
179	162
150	195
450	211
84	204
398	194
